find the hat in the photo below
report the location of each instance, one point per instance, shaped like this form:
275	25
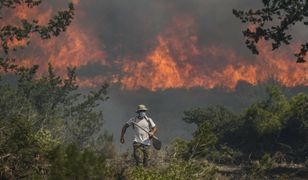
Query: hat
141	107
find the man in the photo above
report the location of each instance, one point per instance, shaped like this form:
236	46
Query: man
142	140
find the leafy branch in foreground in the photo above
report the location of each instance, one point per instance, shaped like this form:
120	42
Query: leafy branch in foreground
272	23
10	33
39	114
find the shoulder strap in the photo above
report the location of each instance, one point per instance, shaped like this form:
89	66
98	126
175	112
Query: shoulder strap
146	118
150	126
134	122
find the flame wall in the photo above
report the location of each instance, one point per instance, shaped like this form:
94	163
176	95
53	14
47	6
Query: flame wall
157	45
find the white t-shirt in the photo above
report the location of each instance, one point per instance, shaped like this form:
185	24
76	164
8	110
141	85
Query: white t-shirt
141	136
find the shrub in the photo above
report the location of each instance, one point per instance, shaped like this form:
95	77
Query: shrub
260	168
180	170
71	163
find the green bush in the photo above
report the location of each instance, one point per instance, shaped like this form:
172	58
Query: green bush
260	168
179	170
71	163
21	155
179	149
225	155
45	140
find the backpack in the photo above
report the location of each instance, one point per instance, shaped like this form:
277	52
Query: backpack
146	118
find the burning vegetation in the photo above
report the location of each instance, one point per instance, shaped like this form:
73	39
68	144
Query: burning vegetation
176	60
48	129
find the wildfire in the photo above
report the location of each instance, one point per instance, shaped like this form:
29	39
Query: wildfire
74	48
177	61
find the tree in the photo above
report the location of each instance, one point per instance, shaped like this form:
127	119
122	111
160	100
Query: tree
260	130
220	118
49	102
272	125
263	122
38	114
204	140
216	127
41	115
294	136
19	149
272	23
9	33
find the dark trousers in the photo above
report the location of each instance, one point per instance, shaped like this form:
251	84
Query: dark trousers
141	154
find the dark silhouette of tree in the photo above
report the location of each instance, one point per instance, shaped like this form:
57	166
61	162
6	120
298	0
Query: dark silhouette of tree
272	23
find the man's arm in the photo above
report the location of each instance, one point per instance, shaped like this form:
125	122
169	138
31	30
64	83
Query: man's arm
123	133
153	131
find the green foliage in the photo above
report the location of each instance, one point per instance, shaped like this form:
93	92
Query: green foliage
52	103
224	154
299	106
179	148
41	113
272	23
216	126
9	32
38	114
180	170
19	149
260	168
295	133
216	115
204	140
71	163
276	101
45	140
274	124
14	3
221	119
263	122
85	114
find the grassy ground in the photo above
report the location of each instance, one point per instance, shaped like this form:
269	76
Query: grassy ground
161	165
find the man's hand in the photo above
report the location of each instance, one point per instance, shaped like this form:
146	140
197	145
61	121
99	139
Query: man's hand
122	140
151	135
152	132
123	132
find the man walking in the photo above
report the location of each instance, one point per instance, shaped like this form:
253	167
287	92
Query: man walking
142	140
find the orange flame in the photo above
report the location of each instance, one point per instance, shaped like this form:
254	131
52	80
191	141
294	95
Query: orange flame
177	61
74	48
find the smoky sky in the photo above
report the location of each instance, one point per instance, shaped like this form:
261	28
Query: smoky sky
129	28
166	107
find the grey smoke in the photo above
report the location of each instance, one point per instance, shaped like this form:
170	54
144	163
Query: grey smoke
129	29
166	107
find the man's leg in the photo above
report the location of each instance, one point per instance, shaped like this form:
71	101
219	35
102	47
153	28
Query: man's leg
137	152
145	150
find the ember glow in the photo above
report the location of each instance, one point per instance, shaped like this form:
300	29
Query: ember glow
176	61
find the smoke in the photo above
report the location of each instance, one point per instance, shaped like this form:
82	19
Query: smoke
183	44
166	107
158	45
169	55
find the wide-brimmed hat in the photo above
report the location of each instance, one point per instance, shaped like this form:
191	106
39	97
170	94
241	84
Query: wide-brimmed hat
141	107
